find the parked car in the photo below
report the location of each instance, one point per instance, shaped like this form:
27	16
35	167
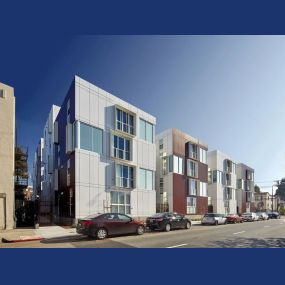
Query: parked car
214	219
273	215
232	218
249	217
262	216
102	225
168	221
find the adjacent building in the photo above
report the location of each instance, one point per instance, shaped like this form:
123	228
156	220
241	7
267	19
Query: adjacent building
265	202
231	185
182	173
104	155
222	183
245	188
7	156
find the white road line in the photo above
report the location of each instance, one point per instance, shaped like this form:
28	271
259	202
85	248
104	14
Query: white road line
238	233
177	245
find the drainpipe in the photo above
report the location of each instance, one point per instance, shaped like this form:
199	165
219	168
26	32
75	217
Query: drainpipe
3	196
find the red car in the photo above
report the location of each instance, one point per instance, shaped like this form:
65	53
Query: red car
234	219
102	225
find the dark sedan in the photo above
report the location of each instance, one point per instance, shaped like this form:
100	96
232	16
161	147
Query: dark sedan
102	225
273	215
167	222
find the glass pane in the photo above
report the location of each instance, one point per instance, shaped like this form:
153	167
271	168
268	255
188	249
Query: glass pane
149	132
121	198
175	164
127	145
97	140
149	182
114	197
131	122
115	141
85	137
114	209
125	171
142	129
128	199
122	209
128	209
142	179
121	143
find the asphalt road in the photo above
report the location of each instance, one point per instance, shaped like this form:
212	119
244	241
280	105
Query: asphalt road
260	234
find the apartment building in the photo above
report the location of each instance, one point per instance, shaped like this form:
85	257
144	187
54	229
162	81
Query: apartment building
182	173
104	155
245	188
222	183
7	156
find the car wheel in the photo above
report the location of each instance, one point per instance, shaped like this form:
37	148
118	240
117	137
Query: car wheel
225	222
216	223
188	225
140	230
101	233
235	222
167	227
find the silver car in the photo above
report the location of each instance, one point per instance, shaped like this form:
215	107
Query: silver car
262	216
214	219
250	217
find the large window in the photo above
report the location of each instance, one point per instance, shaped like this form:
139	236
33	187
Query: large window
218	177
120	202
203	189
191	205
124	121
146	179
203	155
91	138
192	150
192	187
121	147
146	131
228	194
177	164
124	176
192	168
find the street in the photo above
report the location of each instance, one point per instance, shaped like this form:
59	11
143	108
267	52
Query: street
262	234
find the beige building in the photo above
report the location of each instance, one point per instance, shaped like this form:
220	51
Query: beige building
7	148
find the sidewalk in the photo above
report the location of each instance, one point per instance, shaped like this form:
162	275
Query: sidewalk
25	234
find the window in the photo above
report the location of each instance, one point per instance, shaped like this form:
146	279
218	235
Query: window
91	138
146	180
191	205
146	131
2	93
121	147
177	164
124	176
124	121
192	187
120	202
161	144
192	168
192	151
218	177
68	111
203	189
203	155
228	193
161	185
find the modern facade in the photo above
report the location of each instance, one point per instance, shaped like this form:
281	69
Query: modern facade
182	173
104	155
222	183
7	156
245	188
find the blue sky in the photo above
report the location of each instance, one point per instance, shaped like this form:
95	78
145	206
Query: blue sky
228	91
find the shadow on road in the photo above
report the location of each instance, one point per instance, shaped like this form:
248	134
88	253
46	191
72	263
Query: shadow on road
251	243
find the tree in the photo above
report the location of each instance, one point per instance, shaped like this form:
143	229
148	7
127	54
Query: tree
256	189
281	189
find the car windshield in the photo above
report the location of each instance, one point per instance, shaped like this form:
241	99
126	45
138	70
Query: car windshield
209	215
158	215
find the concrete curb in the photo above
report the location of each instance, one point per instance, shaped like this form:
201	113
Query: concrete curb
21	239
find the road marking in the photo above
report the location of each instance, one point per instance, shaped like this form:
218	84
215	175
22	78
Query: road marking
177	245
238	233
